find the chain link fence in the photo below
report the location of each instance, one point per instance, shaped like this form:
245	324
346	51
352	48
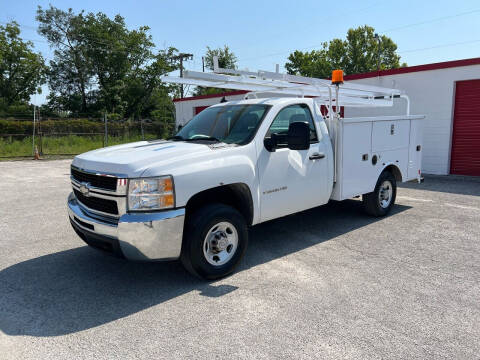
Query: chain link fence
55	136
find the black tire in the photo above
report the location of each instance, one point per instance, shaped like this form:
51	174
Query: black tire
195	233
372	201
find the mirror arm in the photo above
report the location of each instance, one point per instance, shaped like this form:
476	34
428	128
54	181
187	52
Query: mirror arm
270	143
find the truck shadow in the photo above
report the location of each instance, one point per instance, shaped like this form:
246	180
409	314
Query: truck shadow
81	288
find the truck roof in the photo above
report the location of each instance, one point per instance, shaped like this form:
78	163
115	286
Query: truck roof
267	101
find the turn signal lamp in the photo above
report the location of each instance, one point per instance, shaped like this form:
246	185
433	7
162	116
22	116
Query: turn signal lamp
337	77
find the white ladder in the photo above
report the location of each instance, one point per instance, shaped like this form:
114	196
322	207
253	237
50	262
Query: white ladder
324	92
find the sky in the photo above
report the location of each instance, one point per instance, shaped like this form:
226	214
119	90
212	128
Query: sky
262	33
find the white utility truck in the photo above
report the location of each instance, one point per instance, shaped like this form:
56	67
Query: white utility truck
240	163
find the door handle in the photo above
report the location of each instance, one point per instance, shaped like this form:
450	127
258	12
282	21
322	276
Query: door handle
316	156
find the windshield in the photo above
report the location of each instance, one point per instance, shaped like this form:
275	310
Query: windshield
232	124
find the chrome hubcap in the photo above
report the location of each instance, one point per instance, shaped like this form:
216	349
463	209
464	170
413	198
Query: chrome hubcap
385	194
220	243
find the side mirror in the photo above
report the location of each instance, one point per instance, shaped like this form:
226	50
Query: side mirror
270	143
298	137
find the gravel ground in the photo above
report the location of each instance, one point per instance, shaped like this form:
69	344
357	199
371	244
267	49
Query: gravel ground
326	283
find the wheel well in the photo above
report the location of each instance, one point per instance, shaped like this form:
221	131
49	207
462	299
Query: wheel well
395	172
236	195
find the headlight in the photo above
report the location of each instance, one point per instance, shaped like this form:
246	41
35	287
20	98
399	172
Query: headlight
146	194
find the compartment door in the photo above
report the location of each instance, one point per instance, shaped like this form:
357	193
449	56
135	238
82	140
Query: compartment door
390	135
415	149
358	175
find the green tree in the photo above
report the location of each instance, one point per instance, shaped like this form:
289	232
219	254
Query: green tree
123	60
115	69
163	113
358	53
226	60
144	90
70	77
22	71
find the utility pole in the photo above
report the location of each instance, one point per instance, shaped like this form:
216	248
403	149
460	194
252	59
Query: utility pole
378	50
203	63
181	57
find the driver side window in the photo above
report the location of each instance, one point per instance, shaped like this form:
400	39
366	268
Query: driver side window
288	115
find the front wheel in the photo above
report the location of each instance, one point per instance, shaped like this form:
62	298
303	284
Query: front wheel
381	200
215	240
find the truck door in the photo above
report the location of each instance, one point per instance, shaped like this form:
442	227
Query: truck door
292	180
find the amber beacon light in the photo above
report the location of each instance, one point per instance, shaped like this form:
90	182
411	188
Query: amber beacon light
337	77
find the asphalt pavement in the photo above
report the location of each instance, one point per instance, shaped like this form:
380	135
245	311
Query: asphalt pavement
326	283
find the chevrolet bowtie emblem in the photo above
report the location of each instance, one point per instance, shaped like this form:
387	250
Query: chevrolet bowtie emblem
85	189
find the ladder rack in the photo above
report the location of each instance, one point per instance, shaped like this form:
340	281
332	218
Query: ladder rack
345	94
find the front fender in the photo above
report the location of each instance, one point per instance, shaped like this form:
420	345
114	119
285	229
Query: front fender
219	167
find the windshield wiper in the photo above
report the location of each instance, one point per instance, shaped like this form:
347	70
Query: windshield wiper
176	137
207	138
199	138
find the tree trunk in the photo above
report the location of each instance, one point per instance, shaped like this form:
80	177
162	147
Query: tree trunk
84	97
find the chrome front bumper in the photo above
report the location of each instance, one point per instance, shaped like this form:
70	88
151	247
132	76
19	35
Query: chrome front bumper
138	236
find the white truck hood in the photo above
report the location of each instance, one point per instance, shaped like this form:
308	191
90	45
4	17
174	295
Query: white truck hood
133	159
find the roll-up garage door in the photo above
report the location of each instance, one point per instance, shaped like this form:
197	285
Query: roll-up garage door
199	109
465	159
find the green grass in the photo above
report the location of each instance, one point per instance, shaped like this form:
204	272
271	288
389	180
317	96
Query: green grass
56	145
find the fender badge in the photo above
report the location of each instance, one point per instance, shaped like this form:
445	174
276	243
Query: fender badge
274	190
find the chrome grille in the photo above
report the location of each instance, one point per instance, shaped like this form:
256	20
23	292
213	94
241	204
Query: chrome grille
96	203
98	181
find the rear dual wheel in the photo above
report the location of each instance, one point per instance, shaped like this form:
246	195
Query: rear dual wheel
381	200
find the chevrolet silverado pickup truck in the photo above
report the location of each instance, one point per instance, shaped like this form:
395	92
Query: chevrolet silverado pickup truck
234	165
